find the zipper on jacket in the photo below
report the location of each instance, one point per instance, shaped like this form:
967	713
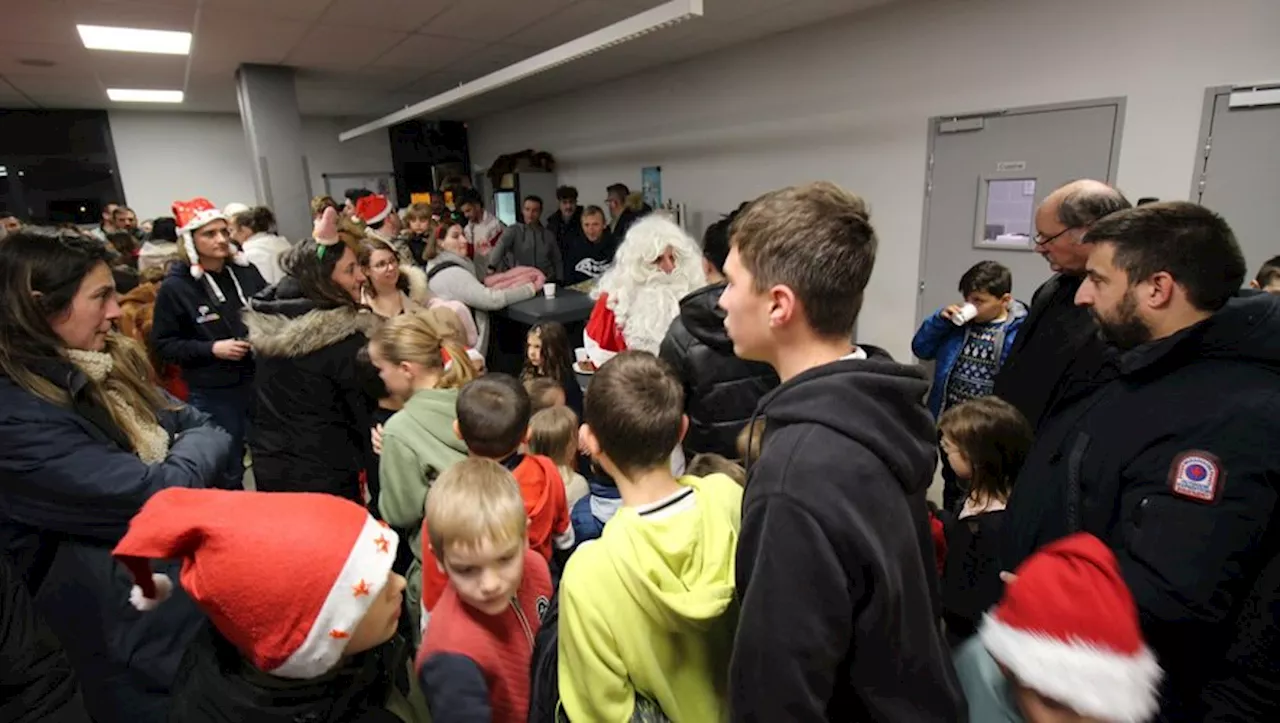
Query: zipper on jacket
1075	460
524	622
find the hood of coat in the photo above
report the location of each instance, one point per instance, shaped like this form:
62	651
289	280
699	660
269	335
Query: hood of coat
433	412
680	567
419	293
1246	329
283	323
876	402
450	257
701	314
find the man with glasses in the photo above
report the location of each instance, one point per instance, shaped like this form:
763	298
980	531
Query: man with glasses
1058	356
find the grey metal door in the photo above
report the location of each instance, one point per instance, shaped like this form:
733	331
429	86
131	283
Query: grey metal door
987	173
1239	164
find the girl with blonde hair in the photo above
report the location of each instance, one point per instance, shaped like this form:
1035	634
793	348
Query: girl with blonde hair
422	363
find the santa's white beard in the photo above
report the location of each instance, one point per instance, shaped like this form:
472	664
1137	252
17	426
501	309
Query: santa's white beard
645	312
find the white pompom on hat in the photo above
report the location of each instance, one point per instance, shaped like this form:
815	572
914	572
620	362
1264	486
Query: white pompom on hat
1068	629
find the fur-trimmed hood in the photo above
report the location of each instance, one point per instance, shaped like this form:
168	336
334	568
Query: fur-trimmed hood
283	323
419	292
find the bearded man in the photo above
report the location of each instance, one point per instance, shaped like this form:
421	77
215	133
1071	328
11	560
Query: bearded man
656	265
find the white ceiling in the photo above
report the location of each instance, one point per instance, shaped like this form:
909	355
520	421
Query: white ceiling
357	57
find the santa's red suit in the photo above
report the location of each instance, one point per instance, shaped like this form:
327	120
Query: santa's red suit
636	300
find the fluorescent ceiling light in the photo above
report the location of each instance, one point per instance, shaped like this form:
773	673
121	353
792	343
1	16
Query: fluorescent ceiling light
125	95
135	40
663	16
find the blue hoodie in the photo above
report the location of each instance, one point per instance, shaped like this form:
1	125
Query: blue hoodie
939	339
590	513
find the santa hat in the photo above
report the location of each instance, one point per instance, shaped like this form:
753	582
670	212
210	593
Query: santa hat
285	577
1067	628
373	209
191	216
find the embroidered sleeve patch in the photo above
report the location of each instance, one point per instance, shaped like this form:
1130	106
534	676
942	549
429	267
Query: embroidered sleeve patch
1197	475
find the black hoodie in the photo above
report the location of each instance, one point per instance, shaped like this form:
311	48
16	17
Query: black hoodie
1176	466
189	318
720	390
835	572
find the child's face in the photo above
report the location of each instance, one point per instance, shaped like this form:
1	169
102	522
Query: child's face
1038	709
956	459
380	620
533	347
989	307
396	377
486	575
419	226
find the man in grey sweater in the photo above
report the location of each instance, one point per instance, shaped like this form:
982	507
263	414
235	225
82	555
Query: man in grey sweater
529	244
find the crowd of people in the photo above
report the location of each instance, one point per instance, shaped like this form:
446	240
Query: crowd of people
244	478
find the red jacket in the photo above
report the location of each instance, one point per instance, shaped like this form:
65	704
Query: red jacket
544	502
474	666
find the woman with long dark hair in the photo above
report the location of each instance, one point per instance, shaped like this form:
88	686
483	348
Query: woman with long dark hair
85	439
314	397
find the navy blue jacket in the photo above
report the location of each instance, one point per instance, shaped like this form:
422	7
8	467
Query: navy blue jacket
590	513
938	339
69	484
188	319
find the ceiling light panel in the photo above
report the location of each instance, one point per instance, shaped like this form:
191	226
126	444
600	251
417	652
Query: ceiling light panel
658	18
126	95
135	40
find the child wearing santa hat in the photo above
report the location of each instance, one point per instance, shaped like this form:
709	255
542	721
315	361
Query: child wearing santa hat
1063	645
301	597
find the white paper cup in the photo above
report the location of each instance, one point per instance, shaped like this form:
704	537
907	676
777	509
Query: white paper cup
549	290
964	315
580	354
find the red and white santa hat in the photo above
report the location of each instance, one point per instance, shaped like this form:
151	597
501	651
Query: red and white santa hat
1067	628
373	209
191	216
285	577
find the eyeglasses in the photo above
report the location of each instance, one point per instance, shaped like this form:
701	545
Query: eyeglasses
383	265
1041	240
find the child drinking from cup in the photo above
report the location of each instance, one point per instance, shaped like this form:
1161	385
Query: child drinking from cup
969	341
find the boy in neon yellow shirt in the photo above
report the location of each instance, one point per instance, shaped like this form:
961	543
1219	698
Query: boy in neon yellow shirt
648	609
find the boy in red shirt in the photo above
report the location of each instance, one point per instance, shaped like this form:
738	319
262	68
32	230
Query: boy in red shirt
474	661
493	421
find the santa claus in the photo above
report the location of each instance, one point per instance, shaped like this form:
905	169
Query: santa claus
656	266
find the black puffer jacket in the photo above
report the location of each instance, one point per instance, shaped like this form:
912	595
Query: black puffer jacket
311	423
720	390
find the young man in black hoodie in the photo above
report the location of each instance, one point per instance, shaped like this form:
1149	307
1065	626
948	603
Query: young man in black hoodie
835	563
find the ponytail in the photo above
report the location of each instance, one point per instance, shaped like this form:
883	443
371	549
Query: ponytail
422	338
459	369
